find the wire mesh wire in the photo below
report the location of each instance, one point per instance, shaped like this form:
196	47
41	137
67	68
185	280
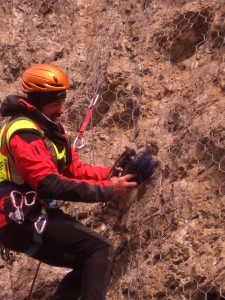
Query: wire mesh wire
158	67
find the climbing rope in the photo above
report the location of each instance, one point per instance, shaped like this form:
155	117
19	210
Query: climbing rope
33	282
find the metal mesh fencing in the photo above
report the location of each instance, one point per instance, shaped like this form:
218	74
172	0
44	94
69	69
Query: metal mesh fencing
158	67
165	88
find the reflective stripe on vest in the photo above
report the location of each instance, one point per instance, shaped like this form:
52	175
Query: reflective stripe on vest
54	150
4	163
8	168
18	124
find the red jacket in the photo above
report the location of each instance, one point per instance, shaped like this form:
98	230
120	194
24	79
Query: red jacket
78	182
72	181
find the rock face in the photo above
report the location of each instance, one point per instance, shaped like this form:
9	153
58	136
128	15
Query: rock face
158	67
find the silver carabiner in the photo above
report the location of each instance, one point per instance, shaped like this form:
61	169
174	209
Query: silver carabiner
30	198
78	142
94	101
17	199
40	224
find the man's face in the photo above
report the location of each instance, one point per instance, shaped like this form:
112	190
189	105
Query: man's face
54	110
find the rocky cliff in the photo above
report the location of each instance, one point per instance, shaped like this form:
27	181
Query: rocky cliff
158	66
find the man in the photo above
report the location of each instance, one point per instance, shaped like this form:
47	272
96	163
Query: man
39	167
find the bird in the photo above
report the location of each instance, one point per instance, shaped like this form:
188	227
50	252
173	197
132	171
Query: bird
130	161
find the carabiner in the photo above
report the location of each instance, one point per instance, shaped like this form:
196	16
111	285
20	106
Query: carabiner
78	142
30	198
94	101
17	199
40	224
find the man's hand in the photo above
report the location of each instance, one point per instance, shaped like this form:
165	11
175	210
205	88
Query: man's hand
122	185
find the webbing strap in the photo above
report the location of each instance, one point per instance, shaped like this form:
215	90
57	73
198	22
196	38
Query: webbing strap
38	234
36	246
78	142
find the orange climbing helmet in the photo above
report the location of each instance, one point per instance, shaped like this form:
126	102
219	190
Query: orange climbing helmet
43	78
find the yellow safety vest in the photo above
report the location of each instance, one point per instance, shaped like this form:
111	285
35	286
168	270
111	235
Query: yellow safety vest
8	168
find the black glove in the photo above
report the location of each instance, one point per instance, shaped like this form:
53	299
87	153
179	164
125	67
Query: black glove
142	165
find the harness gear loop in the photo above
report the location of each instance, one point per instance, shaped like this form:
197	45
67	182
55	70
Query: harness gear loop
18	200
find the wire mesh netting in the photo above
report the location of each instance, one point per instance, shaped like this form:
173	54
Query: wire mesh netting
166	87
158	67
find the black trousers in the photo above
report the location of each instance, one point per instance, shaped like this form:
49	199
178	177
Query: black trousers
67	243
